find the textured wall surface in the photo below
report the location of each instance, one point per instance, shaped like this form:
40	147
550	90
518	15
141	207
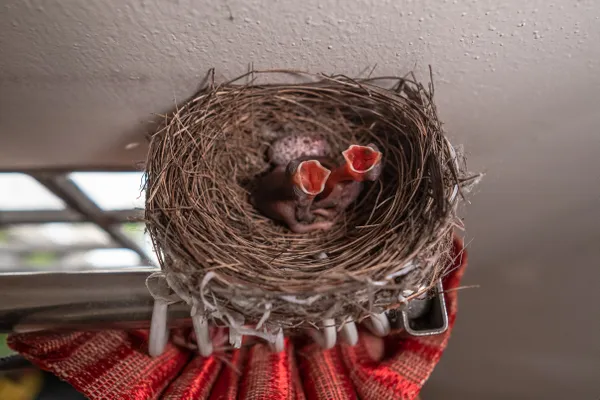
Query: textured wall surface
517	82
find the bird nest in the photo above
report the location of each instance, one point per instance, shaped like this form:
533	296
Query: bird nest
220	254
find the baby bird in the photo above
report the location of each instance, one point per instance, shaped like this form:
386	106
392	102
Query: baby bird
286	194
362	163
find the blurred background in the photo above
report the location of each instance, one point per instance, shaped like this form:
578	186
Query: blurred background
516	82
40	231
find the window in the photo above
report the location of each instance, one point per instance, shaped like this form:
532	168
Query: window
112	190
20	192
95	223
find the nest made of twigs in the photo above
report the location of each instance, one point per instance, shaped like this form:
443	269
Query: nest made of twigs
219	253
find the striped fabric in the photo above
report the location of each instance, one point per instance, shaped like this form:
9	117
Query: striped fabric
114	365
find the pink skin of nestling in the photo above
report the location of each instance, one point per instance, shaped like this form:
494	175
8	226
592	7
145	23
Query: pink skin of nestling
287	193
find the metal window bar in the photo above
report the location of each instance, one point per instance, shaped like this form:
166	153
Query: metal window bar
67	215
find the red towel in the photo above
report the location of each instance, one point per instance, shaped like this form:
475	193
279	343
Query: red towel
114	365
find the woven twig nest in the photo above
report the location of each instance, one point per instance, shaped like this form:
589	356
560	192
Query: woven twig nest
220	254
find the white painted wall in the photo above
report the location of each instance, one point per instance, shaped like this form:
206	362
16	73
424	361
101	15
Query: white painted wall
518	82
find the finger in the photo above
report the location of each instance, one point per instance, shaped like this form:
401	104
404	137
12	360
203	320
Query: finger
373	345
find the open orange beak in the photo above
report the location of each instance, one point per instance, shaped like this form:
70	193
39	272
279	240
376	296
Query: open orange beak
360	160
311	176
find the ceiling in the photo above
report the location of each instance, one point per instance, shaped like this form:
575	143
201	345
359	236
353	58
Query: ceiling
516	82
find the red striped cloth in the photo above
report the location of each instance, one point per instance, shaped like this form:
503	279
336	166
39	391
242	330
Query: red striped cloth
112	365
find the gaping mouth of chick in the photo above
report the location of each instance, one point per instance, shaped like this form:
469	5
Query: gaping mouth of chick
361	159
311	177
